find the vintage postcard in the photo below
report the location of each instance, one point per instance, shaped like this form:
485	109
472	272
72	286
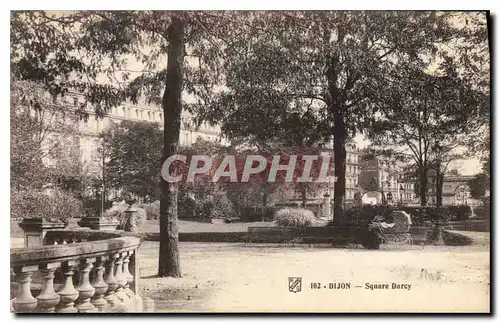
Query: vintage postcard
250	161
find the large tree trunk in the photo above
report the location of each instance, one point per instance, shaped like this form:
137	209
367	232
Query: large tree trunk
339	151
337	110
303	194
439	187
169	264
264	194
423	186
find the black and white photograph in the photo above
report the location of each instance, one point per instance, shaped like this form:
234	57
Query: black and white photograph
250	161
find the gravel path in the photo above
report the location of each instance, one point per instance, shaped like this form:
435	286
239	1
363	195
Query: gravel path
224	277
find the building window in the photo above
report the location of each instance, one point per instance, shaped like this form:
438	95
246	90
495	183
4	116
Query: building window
136	114
75	102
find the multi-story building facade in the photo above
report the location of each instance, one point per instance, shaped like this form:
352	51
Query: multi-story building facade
351	172
382	180
88	130
316	198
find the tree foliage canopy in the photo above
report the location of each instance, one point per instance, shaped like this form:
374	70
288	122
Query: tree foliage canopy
131	152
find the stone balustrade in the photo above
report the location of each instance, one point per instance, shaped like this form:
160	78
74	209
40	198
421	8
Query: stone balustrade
77	271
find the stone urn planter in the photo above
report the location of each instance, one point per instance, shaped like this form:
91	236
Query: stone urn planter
132	220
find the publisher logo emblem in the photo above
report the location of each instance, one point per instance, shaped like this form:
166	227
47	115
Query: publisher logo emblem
295	284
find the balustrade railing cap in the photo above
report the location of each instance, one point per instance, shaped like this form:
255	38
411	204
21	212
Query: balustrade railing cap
73	251
41	223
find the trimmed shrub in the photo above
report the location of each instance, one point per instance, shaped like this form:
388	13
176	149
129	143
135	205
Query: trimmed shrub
117	212
93	207
222	207
152	210
218	206
483	212
294	217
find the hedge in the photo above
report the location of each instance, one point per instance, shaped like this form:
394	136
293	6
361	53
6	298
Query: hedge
256	214
421	214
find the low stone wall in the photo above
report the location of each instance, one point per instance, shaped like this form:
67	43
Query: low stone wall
313	235
103	266
200	236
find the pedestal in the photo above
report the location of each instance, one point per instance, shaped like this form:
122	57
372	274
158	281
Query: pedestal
132	221
35	230
327	210
98	223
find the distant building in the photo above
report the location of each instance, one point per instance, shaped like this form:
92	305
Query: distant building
455	190
383	179
315	200
88	130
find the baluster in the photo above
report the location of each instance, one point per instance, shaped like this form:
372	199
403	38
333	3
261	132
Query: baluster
120	277
134	267
109	278
99	284
67	292
24	302
48	298
128	276
85	289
